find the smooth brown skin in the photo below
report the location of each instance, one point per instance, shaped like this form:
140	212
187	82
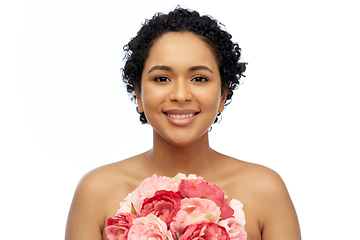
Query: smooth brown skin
269	212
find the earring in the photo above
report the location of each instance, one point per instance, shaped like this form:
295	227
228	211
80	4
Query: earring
137	110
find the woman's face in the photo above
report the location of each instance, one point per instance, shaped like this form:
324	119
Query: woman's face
181	88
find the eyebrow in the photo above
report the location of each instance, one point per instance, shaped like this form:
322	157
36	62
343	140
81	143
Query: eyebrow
200	67
169	69
160	67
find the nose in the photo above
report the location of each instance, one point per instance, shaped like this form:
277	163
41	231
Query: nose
180	91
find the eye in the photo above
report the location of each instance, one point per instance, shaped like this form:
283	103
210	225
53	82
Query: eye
162	79
199	79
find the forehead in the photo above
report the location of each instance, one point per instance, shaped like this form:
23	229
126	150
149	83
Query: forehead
177	48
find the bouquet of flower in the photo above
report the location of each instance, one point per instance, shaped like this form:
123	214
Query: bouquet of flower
178	208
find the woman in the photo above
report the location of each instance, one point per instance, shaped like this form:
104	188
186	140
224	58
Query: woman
182	69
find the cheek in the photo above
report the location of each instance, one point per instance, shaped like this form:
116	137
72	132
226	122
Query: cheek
210	99
152	97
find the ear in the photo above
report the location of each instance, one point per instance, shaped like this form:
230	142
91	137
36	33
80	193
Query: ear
222	101
138	99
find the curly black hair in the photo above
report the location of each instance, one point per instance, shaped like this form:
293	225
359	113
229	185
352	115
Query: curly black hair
210	30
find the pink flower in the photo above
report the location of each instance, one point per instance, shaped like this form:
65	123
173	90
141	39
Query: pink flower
239	214
164	204
235	230
125	206
149	227
180	176
199	188
152	184
119	225
177	179
206	231
133	202
194	210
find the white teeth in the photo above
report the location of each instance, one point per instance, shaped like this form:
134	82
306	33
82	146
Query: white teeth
178	116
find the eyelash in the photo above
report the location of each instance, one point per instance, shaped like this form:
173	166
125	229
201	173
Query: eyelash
161	78
201	78
195	79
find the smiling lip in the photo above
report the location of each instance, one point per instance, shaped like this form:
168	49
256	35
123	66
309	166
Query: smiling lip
181	117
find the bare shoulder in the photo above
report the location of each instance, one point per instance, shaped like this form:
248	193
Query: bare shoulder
262	179
97	197
247	175
99	181
260	184
267	204
123	175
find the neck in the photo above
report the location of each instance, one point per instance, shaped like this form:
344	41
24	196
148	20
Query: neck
168	159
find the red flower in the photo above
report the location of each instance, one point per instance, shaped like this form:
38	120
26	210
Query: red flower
190	188
164	204
119	225
204	231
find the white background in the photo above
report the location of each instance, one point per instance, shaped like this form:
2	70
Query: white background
65	111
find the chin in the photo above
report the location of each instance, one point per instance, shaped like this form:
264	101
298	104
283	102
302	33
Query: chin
184	140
